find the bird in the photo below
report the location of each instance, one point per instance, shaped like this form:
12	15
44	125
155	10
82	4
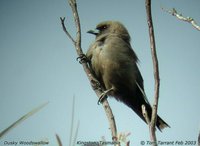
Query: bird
114	64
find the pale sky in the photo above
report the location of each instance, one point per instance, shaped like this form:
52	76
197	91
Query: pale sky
38	64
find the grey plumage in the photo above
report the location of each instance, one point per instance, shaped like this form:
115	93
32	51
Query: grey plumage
114	63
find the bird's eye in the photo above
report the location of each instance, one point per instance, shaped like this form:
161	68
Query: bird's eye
102	28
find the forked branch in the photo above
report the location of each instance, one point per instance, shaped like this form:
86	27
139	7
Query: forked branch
152	121
179	16
93	81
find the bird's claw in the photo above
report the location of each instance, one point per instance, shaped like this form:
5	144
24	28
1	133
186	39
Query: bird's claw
82	59
104	96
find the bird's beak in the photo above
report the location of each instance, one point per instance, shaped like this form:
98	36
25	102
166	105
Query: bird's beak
94	32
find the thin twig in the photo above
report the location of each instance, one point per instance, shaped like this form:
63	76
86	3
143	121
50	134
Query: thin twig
72	123
76	134
199	139
128	143
65	30
190	20
23	118
58	140
93	81
156	74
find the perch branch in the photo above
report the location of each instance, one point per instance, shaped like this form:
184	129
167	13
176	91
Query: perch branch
190	20
156	74
93	81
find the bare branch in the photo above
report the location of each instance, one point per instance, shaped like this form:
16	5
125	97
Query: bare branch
174	12
65	30
156	73
78	26
93	81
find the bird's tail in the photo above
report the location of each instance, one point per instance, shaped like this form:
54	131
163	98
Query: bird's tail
161	124
136	106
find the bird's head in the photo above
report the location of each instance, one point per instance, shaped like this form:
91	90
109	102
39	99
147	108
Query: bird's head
111	27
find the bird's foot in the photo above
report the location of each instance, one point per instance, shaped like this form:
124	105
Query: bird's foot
82	59
104	96
95	84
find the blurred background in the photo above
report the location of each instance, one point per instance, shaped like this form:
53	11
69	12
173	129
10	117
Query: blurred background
38	64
